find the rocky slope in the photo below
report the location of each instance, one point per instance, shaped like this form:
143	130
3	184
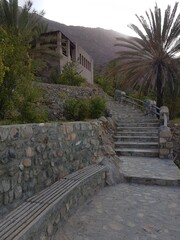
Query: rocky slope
56	96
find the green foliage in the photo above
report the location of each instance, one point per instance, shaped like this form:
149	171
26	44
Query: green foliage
70	76
76	109
18	96
3	52
106	83
97	107
25	22
55	76
17	93
80	109
141	96
63	95
150	60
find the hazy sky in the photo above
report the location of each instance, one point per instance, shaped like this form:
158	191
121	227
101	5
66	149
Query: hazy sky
108	14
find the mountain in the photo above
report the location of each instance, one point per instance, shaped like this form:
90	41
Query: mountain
98	42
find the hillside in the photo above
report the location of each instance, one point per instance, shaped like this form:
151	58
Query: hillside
98	42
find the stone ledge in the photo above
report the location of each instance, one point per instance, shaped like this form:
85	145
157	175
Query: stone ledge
41	215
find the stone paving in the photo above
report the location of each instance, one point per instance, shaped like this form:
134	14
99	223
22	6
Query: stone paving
131	211
127	212
152	170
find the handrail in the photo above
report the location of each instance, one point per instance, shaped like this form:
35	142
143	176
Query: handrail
148	105
155	110
135	99
162	113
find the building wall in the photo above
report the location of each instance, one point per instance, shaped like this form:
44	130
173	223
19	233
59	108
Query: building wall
65	51
85	64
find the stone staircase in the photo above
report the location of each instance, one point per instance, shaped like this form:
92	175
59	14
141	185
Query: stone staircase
136	134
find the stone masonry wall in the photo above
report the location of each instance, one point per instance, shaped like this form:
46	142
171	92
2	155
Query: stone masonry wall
56	96
33	156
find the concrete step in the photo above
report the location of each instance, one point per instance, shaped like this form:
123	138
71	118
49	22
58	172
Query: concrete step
137	129
130	115
135	133
137	152
138	124
150	171
137	145
137	138
139	118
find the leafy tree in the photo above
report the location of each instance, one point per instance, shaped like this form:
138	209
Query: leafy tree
18	94
150	61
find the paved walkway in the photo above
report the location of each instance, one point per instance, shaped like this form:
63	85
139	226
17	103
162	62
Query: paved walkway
130	211
127	212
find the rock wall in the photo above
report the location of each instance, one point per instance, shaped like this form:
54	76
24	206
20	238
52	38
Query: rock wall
56	96
175	128
33	156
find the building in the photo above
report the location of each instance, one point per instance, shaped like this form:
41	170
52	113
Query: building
62	50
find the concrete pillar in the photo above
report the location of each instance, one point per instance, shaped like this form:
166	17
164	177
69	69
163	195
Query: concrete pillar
165	143
164	115
119	96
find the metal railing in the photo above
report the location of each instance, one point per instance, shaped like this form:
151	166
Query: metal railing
162	114
134	101
148	106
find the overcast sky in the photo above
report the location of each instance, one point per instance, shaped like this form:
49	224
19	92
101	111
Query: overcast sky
108	14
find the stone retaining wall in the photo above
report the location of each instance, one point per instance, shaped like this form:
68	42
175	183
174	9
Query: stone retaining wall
34	156
56	96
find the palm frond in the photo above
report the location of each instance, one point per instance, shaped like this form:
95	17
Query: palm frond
151	61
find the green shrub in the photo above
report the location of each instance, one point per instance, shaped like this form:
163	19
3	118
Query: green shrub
80	109
76	109
97	107
106	84
55	76
70	76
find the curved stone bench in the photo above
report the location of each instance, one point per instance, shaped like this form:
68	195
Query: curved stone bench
41	215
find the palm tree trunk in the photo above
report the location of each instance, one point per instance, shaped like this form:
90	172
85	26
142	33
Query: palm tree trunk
160	91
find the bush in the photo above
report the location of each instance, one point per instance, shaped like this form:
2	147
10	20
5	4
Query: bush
70	76
106	84
97	107
80	109
76	109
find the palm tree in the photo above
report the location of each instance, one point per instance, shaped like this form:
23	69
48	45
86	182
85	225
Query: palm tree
150	61
20	21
